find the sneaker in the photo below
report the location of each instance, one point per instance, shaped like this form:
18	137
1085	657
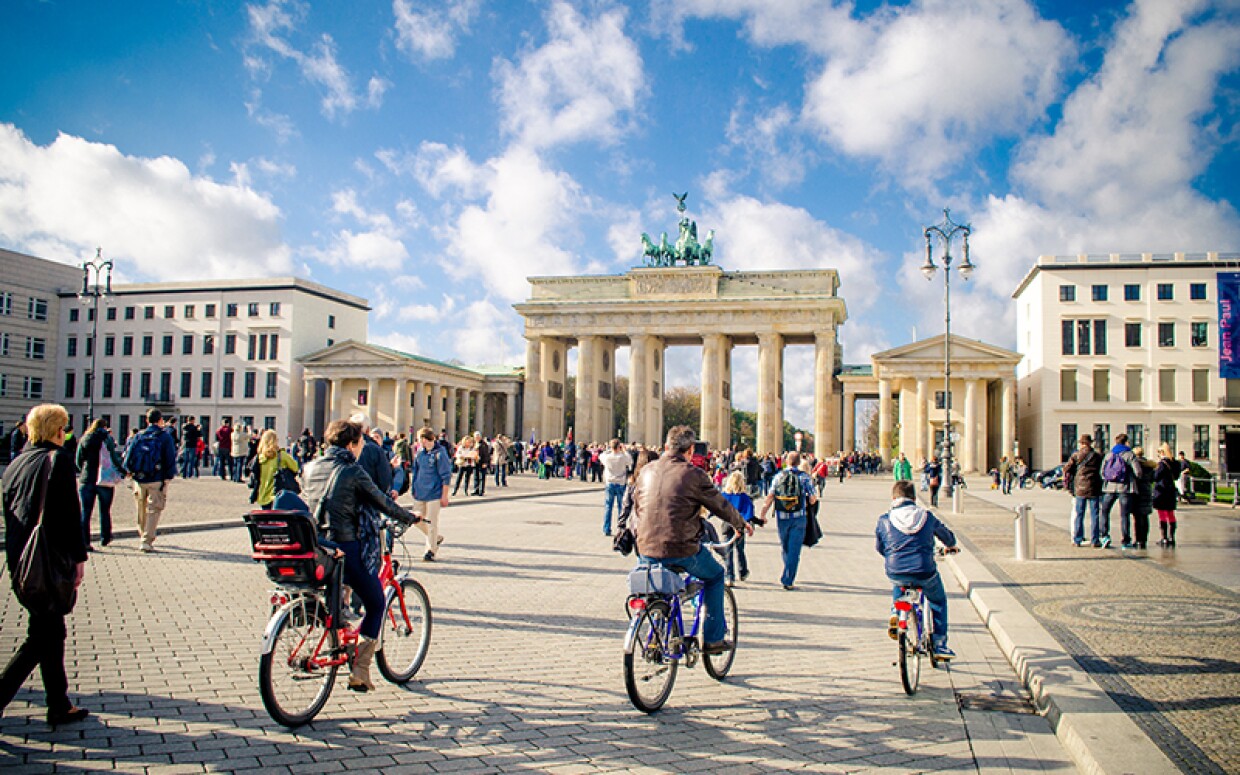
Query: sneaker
893	627
146	548
942	652
428	557
1096	545
789	587
1078	543
718	647
69	716
1128	545
1106	541
744	575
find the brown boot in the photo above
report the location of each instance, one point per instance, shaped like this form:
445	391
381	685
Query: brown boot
359	679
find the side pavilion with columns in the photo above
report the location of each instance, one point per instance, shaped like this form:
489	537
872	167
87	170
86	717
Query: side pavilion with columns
400	391
650	309
908	383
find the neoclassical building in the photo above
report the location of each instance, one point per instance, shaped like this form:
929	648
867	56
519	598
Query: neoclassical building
907	381
400	391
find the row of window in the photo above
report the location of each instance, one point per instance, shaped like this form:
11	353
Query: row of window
1069	435
1089	336
188	311
36	347
21	387
123	387
1132	292
262	347
1134	385
36	309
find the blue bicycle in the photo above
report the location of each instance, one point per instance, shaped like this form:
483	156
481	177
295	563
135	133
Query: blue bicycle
656	644
915	632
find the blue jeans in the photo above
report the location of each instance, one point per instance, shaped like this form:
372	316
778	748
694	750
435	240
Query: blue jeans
1078	520
935	595
1125	514
704	566
501	475
365	585
791	539
615	496
736	555
88	494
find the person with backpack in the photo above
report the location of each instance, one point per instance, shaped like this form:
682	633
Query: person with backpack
791	493
1120	473
151	459
1083	479
100	467
265	470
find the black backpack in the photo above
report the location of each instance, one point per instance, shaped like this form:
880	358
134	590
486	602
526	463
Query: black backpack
787	491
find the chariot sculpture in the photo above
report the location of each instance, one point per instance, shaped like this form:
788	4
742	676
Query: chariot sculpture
687	251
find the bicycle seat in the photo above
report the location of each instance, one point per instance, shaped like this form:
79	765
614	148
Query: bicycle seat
287	543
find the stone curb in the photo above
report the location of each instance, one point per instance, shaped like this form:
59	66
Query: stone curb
1097	733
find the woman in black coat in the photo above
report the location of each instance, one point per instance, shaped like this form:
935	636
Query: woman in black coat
23	490
1165	493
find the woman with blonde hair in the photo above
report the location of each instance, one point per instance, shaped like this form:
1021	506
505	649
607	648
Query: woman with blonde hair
734	491
466	460
1165	493
266	466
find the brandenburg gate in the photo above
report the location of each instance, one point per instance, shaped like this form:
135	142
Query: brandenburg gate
652	308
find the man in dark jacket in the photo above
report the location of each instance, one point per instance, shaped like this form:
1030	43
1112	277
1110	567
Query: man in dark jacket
1120	473
484	464
667	496
151	459
905	538
1082	475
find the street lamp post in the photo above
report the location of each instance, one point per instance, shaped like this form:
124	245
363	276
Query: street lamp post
946	232
89	297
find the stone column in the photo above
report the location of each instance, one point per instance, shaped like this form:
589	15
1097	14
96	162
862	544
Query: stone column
711	389
531	401
725	393
605	396
922	417
400	409
337	400
587	389
457	416
968	441
824	393
906	423
372	401
639	386
437	414
654	405
416	399
1008	420
850	421
884	420
983	426
480	411
510	415
770	373
307	405
554	371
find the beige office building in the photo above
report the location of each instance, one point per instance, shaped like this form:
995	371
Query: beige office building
1123	344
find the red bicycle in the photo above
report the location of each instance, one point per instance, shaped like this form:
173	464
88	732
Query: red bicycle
307	641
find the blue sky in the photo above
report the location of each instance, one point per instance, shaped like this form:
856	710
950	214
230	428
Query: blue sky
431	155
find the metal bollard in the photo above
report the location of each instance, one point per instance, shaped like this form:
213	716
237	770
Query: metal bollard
1026	533
958	500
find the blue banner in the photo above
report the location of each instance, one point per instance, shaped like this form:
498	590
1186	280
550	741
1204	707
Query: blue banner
1229	325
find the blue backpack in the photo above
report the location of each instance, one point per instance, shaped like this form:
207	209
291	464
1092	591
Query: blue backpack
1115	469
144	456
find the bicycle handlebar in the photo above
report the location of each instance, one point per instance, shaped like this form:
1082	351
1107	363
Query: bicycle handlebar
725	544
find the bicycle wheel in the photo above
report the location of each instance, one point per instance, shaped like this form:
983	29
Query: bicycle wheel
910	662
293	690
406	632
649	670
718	665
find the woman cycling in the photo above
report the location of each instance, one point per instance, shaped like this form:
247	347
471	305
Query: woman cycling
341	482
269	461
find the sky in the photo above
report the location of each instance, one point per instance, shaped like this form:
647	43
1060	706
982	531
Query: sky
429	156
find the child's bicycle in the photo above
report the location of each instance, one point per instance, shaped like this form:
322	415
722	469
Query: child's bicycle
915	633
656	644
307	641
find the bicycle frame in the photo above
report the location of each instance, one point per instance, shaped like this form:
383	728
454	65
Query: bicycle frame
675	614
912	605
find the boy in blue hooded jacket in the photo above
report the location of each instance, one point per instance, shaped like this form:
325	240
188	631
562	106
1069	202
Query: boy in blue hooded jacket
905	537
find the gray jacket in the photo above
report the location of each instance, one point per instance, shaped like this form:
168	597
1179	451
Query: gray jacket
1134	471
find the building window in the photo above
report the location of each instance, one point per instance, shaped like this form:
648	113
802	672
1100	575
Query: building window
1166	291
208	344
1132	293
144	384
4	345
273	353
262	347
1067	337
107	384
363	396
1132	334
127	345
32	387
1102	436
73	314
71	347
269	422
331	342
169	312
1098	292
1201	442
1133	379
940	399
167	343
210	311
251	382
1136	435
1197	291
111	315
1166	334
1102	384
126	384
272	383
187	344
1166	385
109	346
230	344
230	310
6	303
148	344
1201	385
1067	384
187	383
90	314
36	309
253	348
1067	440
90	346
189	312
148	313
252	309
273	309
1166	435
1083	329
130	313
36	348
1198	335
165	385
229	382
331	321
1100	337
1067	293
206	384
70	383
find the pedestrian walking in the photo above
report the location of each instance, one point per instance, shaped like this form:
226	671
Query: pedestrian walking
902	471
267	468
430	473
933	472
100	469
239	451
790	493
190	436
1082	475
483	465
1165	493
466	459
39	486
734	491
223	449
151	460
1143	499
615	462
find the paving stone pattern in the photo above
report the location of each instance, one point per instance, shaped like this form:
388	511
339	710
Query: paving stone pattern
524	672
1160	642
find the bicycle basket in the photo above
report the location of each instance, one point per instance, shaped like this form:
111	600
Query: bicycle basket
287	545
654	580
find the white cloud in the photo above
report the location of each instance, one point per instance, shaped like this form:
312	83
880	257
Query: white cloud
273	24
397	340
578	86
488	335
150	213
431	33
378	246
438	168
772	142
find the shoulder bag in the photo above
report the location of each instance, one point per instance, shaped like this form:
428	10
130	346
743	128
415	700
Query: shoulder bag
44	579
